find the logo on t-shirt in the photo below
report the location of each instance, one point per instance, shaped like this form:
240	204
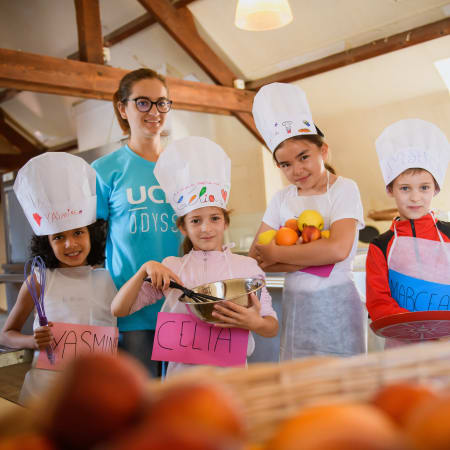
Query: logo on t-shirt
144	218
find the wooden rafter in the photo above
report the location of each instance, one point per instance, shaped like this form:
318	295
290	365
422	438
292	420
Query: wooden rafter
90	42
11	161
179	23
113	38
15	139
375	48
46	74
131	28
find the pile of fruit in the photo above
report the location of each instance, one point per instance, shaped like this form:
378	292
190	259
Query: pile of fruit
306	228
104	403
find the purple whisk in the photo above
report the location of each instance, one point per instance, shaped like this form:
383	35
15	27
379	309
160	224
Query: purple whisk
37	273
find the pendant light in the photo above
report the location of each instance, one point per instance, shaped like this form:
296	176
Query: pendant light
262	15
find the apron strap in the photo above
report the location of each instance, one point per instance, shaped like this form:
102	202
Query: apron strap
392	246
440	237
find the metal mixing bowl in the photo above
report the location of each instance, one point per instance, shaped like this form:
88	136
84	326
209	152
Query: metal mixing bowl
235	290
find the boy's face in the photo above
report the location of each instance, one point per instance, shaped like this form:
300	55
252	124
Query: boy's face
413	193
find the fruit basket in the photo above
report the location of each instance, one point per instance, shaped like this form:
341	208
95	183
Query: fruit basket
122	409
272	393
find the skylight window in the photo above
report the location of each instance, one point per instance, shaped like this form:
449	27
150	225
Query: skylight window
443	67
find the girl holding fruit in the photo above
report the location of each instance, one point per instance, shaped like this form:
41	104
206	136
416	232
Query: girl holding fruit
195	175
322	310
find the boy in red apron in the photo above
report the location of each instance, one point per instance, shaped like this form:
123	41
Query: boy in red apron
408	266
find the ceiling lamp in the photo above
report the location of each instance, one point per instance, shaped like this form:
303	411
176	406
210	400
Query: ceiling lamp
262	15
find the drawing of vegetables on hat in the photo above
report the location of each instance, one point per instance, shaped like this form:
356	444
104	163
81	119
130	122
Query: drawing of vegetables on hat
202	194
288	125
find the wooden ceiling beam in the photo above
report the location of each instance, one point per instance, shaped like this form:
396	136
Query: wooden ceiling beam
15	139
179	23
46	74
131	28
113	38
90	41
376	48
11	161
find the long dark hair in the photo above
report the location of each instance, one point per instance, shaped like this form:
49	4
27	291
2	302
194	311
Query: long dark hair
40	246
315	139
186	245
126	86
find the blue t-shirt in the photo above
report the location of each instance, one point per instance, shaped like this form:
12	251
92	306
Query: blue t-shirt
141	223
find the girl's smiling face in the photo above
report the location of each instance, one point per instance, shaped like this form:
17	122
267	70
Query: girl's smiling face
71	247
205	227
302	162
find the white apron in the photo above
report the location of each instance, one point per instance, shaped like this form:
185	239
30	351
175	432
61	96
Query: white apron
321	316
80	295
171	304
419	275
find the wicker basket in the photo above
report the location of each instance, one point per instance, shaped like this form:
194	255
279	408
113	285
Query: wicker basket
270	393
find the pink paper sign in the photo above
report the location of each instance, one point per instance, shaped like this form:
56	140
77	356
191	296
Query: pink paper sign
320	271
182	338
71	340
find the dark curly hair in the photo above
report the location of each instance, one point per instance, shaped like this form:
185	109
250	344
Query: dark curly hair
40	246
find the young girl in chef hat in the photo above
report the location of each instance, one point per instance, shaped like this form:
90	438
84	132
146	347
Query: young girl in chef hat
195	175
57	194
408	266
321	314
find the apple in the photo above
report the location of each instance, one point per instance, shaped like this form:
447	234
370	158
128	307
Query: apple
310	233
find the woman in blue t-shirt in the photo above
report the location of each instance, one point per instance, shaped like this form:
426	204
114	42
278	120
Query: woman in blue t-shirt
141	221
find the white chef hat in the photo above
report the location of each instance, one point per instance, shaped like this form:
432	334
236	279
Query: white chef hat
413	143
194	172
57	192
281	111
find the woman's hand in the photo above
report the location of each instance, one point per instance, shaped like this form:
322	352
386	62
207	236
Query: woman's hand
159	274
236	316
43	336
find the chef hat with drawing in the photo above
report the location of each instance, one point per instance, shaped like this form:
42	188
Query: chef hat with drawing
413	143
57	192
281	111
194	172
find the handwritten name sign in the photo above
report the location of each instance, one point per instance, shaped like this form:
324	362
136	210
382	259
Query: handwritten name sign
71	340
418	295
320	271
182	338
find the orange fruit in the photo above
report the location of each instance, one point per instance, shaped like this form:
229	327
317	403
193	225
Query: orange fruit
286	236
337	427
428	427
292	223
98	395
400	399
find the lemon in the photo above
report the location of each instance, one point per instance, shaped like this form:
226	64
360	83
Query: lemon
325	234
310	217
266	237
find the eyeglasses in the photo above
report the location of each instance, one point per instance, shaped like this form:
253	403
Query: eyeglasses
144	104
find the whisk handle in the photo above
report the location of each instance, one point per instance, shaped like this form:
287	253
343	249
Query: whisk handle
173	284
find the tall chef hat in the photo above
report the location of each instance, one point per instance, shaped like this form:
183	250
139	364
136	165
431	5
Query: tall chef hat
57	192
413	143
281	111
194	172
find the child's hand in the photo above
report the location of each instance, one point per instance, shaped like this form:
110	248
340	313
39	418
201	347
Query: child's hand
236	316
43	336
160	275
266	254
